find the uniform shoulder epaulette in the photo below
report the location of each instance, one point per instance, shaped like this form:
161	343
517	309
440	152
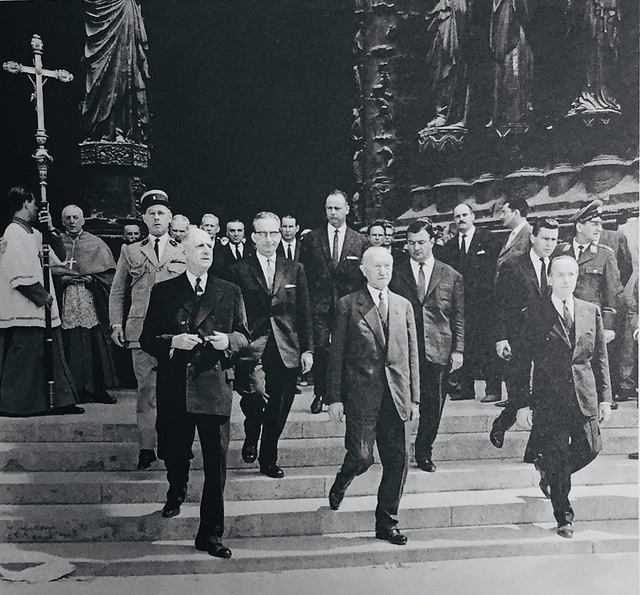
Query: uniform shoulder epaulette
605	247
566	247
144	242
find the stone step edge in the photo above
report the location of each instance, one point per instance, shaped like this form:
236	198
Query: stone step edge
350	504
327	551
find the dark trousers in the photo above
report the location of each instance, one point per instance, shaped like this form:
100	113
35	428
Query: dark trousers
176	432
321	334
389	431
567	441
517	374
432	400
269	418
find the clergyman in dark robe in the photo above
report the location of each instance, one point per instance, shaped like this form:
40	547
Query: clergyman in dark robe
85	279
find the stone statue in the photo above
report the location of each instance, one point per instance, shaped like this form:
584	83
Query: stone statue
596	23
115	104
513	65
448	24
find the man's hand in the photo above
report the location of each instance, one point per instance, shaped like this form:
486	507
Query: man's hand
185	341
218	340
636	334
336	412
306	362
604	411
45	218
415	412
609	335
524	418
117	335
456	361
503	349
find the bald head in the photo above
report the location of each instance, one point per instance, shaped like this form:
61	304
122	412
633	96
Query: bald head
377	267
211	224
463	216
72	219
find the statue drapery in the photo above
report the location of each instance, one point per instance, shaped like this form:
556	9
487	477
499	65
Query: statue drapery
115	105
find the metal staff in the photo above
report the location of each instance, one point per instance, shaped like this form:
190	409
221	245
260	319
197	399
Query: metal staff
38	76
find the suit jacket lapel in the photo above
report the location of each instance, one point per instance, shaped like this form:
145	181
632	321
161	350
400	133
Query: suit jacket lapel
187	296
405	275
324	240
558	325
256	270
149	252
346	245
580	322
371	316
436	275
212	295
395	317
531	274
279	273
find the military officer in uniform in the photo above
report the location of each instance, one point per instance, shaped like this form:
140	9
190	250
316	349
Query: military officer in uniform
140	266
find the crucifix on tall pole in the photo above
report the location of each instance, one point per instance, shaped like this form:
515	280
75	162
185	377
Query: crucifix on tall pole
39	76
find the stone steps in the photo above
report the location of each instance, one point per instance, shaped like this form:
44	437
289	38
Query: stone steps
177	557
308	516
121	487
303	452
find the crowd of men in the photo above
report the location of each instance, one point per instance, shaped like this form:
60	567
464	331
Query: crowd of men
386	332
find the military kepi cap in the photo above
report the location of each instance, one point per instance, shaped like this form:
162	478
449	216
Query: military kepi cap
153	197
591	211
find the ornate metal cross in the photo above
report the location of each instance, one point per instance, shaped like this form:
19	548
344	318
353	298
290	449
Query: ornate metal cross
39	76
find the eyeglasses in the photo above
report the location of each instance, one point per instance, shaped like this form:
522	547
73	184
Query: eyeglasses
268	234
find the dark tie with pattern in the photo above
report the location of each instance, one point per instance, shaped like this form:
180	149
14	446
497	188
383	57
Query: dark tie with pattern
463	243
198	288
382	309
544	284
335	257
156	248
566	315
422	287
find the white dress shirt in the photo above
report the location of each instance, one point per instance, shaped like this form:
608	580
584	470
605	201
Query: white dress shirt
237	249
375	295
468	238
161	245
331	230
537	265
192	279
262	259
293	246
559	306
427	269
514	232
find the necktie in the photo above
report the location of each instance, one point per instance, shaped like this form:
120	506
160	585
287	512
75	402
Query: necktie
463	243
289	256
236	253
544	285
270	274
335	257
566	315
198	288
422	285
581	250
156	248
382	309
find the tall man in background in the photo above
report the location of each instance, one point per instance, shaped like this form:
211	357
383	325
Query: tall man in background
140	266
331	258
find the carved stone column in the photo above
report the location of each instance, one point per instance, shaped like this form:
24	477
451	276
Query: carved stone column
374	161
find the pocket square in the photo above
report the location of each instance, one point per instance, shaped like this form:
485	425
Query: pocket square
352	258
290	286
479	252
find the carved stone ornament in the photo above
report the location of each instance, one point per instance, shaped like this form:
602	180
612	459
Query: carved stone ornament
505	130
114	153
440	138
379	189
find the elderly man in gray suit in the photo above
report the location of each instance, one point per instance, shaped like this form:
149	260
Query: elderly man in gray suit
374	381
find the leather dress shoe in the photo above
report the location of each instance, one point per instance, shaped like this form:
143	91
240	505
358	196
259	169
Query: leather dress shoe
392	535
66	410
565	530
249	452
103	397
335	499
503	403
272	471
171	508
212	547
496	437
316	406
426	465
489	398
614	406
146	458
633	456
